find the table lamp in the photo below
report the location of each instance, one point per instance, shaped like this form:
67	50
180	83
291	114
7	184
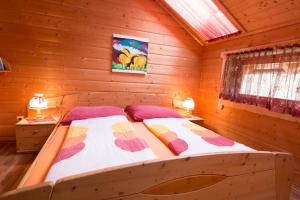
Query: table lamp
189	104
38	102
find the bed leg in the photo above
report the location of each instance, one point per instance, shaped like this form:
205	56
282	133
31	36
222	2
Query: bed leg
283	175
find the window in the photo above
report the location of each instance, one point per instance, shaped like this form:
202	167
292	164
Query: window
267	77
204	17
260	80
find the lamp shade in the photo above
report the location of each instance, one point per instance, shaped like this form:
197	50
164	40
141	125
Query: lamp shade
189	103
38	102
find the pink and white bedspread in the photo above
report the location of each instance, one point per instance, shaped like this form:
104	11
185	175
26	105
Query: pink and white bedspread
98	143
183	137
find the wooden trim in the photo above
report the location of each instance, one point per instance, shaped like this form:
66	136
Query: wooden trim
283	177
255	109
184	185
223	56
229	15
102	98
37	192
259	31
269	45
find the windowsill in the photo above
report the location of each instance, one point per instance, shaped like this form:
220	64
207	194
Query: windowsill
255	109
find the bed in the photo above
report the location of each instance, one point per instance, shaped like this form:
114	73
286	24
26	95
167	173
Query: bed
223	175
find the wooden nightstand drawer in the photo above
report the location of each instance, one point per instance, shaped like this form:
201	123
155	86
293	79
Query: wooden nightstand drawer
36	130
29	144
31	136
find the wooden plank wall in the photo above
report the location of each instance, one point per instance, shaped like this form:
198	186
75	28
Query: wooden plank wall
64	46
256	130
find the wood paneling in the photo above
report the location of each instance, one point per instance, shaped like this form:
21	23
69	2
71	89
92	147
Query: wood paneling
64	47
256	15
260	131
251	16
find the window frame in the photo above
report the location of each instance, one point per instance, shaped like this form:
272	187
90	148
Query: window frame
224	104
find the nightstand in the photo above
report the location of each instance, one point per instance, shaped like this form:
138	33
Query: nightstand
195	119
192	118
31	134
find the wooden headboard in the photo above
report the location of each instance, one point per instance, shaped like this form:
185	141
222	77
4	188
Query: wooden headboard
120	99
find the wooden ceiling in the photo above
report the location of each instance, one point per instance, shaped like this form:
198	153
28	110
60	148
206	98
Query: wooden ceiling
255	16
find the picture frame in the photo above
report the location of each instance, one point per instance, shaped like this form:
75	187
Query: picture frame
129	54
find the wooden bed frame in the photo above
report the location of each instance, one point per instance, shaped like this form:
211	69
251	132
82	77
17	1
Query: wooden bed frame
239	175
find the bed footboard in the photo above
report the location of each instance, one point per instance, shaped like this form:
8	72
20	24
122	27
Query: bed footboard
240	175
283	175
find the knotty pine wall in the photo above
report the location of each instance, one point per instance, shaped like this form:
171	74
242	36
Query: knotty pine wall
64	46
256	130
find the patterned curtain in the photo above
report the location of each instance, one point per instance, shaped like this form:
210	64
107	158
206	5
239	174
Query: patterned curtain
268	78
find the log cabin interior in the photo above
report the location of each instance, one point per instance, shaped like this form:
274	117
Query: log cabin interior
150	99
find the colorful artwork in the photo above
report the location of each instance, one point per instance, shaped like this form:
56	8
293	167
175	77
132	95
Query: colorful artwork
209	136
130	54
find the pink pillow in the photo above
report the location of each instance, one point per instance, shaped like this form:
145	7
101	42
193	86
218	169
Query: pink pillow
86	112
140	112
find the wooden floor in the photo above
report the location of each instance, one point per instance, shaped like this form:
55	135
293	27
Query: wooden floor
13	166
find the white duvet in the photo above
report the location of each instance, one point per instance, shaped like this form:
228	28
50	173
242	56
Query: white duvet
184	137
98	143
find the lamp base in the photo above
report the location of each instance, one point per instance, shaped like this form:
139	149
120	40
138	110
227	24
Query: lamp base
39	114
188	113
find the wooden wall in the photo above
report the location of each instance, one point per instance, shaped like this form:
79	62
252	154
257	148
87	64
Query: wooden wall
64	46
256	130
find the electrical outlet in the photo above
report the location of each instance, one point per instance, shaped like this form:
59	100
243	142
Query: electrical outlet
19	118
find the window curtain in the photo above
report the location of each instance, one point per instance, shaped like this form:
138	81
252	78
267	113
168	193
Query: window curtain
268	78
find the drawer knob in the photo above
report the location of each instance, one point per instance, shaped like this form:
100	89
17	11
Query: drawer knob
35	132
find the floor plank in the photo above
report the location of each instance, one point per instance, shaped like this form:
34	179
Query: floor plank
12	166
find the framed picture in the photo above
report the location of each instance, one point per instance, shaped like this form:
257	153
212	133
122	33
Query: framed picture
130	54
4	66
